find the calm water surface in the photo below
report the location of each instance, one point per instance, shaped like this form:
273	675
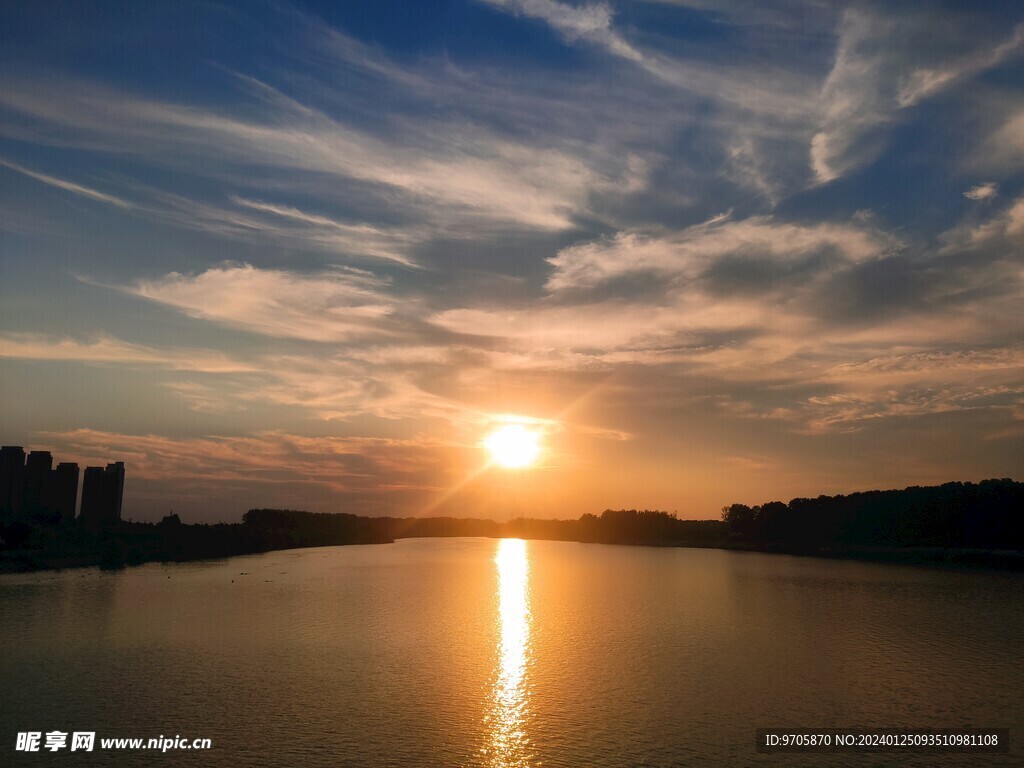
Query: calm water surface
476	652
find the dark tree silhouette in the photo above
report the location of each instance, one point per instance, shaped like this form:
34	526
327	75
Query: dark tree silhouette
986	515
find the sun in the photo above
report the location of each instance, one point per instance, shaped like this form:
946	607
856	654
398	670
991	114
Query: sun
513	446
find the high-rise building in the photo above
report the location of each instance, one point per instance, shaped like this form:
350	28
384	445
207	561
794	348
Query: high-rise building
102	490
36	484
65	491
32	491
115	481
93	495
12	476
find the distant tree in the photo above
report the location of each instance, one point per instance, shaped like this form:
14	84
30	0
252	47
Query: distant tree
740	520
985	515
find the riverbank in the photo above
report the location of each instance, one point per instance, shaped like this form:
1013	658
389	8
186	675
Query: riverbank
27	561
955	525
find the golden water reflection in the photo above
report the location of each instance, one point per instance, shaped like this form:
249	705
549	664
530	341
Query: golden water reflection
508	745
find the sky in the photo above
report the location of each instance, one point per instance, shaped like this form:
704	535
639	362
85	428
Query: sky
310	255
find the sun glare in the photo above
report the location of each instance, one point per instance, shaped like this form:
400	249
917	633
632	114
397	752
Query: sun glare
510	708
513	446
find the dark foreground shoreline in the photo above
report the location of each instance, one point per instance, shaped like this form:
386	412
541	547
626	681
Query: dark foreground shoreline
963	525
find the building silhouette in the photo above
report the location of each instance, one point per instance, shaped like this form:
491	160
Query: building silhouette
32	491
64	495
35	490
102	491
93	491
12	477
115	473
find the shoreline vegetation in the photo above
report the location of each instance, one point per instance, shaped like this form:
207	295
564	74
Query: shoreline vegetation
955	524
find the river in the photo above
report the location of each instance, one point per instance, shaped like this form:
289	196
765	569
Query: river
480	652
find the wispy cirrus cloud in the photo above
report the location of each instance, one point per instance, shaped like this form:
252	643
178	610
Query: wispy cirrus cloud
103	348
936	381
463	169
854	411
590	21
762	117
778	93
886	63
927	81
388	382
67	186
257	221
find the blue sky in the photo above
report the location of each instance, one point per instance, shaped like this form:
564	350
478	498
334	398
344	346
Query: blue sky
310	254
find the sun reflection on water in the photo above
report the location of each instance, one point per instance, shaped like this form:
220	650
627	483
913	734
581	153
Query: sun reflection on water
508	745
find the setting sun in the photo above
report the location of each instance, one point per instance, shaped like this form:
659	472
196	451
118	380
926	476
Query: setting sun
513	446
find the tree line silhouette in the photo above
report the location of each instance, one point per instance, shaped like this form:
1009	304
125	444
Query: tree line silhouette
622	526
953	519
986	515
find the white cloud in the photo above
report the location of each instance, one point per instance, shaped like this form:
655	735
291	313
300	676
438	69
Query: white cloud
779	340
746	168
1003	150
1005	229
576	327
985	191
323	306
686	253
580	336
